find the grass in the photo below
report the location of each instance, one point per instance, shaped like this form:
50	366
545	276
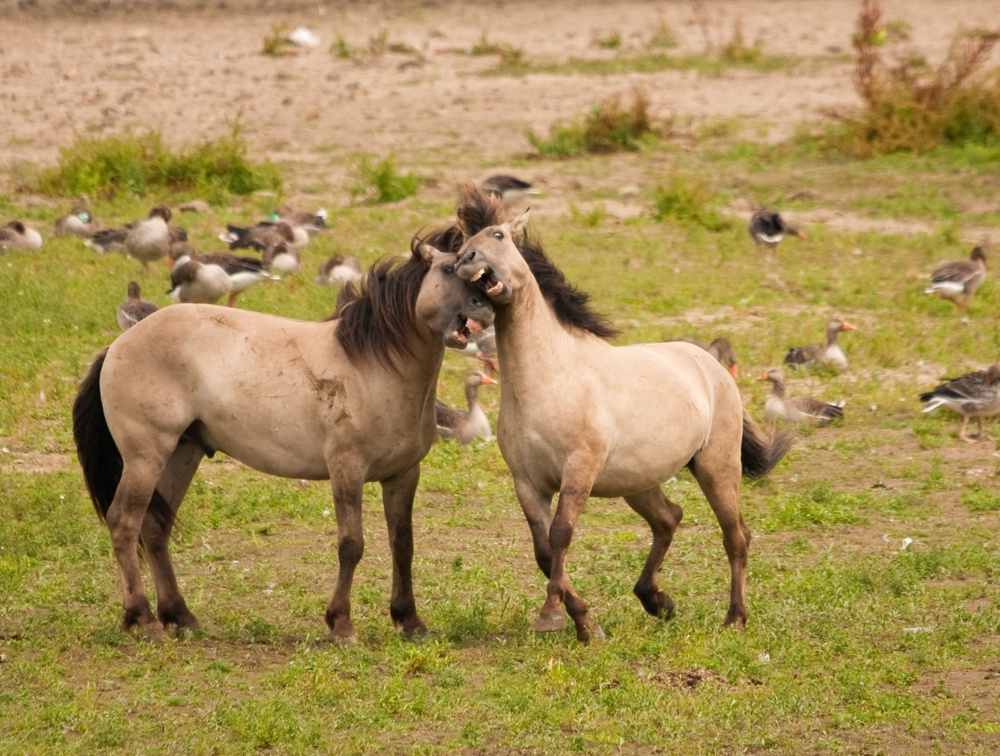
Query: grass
380	182
855	643
141	165
608	127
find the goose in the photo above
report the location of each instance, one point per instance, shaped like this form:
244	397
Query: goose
108	240
338	270
281	257
508	188
829	353
242	272
767	228
77	222
721	349
798	409
311	223
134	308
483	346
15	235
958	280
465	425
971	395
263	235
149	239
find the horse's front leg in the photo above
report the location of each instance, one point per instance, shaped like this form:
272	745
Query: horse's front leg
397	501
347	493
578	480
663	517
537	508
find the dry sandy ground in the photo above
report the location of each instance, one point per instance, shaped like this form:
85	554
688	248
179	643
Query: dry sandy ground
190	74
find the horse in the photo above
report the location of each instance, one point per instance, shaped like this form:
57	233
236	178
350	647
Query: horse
349	399
581	417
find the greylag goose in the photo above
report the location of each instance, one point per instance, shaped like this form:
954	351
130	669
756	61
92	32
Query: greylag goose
971	395
15	235
797	409
262	236
958	280
311	223
338	270
108	240
828	353
767	228
134	308
483	346
203	285
149	239
465	425
77	222
508	188
721	350
281	258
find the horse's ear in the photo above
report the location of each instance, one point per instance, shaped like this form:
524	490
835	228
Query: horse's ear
422	250
518	224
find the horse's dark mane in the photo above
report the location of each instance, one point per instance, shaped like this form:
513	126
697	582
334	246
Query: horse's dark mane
377	316
478	210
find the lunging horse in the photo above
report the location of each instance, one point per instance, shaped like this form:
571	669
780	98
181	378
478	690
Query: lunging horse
349	399
582	417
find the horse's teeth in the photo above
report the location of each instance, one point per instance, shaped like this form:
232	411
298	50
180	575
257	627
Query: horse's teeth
495	289
478	275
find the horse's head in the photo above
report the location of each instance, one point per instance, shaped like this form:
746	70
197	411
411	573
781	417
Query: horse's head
447	304
491	260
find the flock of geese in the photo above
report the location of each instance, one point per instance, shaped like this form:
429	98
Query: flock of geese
278	240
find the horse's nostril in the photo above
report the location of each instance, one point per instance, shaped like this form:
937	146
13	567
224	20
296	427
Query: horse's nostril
467	257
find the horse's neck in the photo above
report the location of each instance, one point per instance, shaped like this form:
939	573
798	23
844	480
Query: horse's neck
531	342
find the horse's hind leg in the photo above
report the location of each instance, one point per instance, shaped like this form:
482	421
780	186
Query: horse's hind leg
347	492
719	474
125	520
397	501
159	521
663	516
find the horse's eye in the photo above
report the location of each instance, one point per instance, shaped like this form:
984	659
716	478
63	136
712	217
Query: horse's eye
449	270
498	234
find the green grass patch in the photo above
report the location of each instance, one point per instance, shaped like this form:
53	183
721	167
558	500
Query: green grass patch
610	126
141	165
380	181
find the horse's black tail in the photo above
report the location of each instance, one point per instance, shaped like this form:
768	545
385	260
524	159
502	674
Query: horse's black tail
762	451
96	449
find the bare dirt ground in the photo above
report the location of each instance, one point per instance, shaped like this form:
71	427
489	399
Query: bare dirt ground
98	68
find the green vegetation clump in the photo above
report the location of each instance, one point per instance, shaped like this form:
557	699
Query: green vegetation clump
274	44
688	202
138	165
908	106
379	182
609	127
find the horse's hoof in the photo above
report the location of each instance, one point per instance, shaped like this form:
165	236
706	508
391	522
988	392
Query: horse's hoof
150	633
549	623
343	640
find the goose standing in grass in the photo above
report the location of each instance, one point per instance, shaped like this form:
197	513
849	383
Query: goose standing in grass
483	346
262	236
15	235
465	426
828	353
767	228
134	308
796	409
77	222
197	284
310	223
958	280
149	239
282	258
721	349
509	189
338	270
974	394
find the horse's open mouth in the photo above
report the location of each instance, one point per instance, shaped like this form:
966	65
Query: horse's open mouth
485	280
458	337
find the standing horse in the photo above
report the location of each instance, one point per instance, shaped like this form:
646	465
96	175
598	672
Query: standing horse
349	399
584	418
